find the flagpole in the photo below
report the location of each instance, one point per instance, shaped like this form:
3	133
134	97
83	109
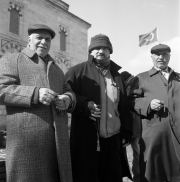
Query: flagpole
157	36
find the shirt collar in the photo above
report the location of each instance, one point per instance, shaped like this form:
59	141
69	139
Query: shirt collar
164	70
154	71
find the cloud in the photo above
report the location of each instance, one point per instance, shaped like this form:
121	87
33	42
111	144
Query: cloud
142	61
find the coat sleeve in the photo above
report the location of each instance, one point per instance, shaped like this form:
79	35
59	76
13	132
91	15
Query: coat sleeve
73	78
138	101
68	91
127	119
12	93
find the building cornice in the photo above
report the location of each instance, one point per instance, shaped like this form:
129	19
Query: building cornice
60	5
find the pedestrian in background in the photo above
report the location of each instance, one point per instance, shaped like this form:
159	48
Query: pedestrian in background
133	150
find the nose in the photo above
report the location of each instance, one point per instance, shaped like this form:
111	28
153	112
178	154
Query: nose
101	49
43	41
160	56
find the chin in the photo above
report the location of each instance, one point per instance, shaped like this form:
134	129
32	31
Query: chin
41	54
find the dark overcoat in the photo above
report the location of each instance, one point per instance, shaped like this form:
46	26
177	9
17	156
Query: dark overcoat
160	144
84	81
37	138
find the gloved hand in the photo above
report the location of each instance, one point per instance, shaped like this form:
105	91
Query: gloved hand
136	94
126	138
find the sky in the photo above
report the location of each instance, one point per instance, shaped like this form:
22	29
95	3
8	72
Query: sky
124	20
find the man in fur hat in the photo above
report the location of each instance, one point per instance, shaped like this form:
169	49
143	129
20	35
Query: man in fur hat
101	121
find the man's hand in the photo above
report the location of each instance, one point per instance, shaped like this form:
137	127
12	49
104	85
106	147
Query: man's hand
62	102
156	104
126	138
95	110
46	96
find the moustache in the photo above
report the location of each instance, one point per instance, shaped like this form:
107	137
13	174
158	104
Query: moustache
100	55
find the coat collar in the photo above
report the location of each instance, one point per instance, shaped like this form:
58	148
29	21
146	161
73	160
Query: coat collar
114	68
30	53
154	71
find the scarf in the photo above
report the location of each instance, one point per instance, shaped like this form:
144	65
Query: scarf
102	65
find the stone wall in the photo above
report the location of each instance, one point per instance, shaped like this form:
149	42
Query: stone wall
56	15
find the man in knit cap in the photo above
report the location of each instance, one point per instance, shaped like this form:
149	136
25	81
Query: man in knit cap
101	121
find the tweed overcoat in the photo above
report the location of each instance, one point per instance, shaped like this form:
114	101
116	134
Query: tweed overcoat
160	144
37	138
84	81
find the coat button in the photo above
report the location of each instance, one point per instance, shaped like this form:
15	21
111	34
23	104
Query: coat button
165	84
96	84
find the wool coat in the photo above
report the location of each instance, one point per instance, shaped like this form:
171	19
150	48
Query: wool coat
84	81
37	137
160	144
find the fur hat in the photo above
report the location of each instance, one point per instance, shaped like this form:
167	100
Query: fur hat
100	40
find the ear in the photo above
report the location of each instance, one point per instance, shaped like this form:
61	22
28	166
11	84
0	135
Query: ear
29	39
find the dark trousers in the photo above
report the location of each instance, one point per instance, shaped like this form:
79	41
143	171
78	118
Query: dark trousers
89	165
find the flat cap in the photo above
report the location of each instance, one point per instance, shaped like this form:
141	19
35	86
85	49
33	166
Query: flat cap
36	27
160	47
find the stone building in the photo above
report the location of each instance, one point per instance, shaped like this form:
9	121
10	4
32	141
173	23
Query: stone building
68	48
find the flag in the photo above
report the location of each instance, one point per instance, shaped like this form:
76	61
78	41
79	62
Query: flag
148	38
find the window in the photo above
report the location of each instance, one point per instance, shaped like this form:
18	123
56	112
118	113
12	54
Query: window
62	41
15	13
63	38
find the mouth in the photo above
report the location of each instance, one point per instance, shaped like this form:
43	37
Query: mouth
161	62
42	47
100	55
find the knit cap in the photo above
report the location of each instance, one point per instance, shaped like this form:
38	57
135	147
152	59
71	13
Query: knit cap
100	40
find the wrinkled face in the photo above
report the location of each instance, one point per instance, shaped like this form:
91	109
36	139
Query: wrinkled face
161	59
40	42
101	53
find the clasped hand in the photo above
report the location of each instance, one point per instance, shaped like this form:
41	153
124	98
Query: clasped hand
46	96
156	104
95	110
62	102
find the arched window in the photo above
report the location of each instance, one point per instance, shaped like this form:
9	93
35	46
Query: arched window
15	13
62	41
63	38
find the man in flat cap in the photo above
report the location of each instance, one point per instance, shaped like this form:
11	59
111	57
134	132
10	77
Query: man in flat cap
33	90
101	121
159	106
